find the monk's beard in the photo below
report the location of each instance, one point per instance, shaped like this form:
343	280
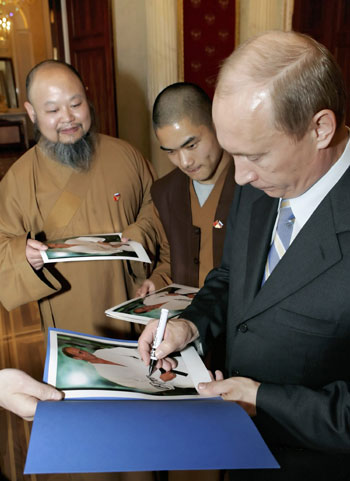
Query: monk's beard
77	155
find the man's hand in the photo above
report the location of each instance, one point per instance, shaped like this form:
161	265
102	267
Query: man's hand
20	393
33	255
146	288
178	333
242	390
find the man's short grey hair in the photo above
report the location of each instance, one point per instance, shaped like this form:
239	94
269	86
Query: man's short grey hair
302	76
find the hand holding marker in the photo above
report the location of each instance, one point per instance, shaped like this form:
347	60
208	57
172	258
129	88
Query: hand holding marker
158	338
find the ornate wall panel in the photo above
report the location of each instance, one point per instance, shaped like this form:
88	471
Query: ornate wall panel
208	38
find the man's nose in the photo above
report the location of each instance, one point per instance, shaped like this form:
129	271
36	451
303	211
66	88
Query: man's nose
244	171
67	115
185	159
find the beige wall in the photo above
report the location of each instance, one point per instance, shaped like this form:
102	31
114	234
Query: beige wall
39	25
146	60
257	16
130	46
29	43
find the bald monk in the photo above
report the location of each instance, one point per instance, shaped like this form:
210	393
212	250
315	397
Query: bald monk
192	202
72	182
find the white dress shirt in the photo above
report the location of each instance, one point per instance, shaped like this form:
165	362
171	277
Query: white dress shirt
305	205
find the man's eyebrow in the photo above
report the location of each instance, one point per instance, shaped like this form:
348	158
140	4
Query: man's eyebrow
245	154
188	141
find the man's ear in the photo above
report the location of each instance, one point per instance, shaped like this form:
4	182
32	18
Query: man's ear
30	111
325	125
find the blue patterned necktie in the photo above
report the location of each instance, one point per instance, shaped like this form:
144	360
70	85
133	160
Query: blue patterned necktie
281	239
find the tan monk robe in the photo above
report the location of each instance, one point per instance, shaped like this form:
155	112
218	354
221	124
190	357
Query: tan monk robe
39	195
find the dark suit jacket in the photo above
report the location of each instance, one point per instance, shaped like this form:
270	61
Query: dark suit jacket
293	334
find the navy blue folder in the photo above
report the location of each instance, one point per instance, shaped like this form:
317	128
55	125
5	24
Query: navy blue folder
130	435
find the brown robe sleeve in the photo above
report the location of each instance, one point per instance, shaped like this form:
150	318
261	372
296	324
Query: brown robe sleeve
19	282
142	230
161	275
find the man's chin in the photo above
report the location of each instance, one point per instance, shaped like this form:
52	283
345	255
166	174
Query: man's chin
271	192
202	179
69	142
70	139
198	176
61	139
74	152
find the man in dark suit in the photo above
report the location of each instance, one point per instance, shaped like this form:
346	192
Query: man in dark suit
281	293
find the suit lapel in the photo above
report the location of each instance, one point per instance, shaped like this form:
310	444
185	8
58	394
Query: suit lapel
263	216
313	251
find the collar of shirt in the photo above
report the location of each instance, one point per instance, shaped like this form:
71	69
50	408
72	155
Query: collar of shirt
202	191
304	205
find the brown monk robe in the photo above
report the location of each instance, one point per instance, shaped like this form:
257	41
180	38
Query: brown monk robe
37	196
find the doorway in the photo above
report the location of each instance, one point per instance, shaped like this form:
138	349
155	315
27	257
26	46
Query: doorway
90	39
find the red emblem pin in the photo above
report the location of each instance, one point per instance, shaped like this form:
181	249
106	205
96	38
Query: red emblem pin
116	196
218	224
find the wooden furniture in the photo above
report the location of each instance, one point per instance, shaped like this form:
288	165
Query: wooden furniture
14	119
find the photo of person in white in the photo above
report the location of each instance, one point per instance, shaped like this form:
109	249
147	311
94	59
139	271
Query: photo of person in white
123	366
90	245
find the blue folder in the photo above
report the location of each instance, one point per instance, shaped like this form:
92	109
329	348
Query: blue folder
131	435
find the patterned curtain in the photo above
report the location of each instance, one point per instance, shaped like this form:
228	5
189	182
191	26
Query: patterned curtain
208	38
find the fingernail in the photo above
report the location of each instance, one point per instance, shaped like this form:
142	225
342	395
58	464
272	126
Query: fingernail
159	353
201	385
